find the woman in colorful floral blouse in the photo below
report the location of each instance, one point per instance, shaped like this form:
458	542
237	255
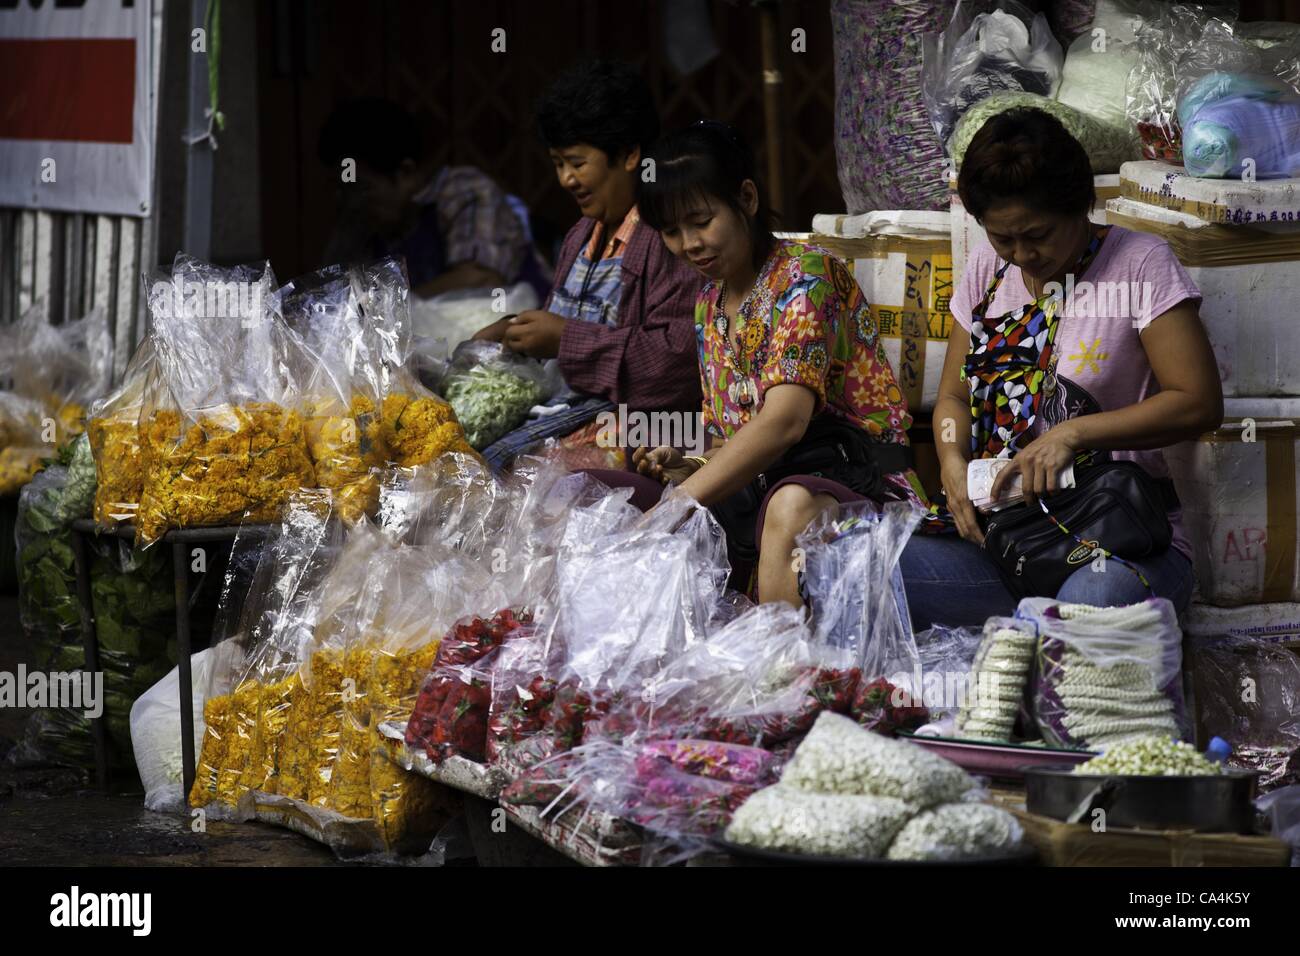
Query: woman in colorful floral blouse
791	362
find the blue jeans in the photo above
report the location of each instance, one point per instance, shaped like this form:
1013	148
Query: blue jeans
951	581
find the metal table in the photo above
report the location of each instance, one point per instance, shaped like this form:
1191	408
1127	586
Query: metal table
180	541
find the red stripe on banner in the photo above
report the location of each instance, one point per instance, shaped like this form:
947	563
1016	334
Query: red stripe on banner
81	90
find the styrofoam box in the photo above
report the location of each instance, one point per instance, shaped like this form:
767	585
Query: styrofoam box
1245	313
1264	202
967	233
1225	493
1271	623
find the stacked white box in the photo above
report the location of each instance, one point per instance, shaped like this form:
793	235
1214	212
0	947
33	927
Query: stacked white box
1247	306
1239	495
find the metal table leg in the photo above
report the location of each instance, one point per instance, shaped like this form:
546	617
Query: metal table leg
180	572
90	644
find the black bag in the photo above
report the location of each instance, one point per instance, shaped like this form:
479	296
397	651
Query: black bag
1115	506
830	448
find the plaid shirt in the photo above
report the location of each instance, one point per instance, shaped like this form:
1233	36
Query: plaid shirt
476	222
650	360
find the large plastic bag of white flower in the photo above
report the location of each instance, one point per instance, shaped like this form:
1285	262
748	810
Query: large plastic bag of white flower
838	756
156	734
794	821
1106	675
957	831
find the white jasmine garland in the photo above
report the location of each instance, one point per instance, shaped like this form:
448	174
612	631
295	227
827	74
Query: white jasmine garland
838	756
796	821
956	831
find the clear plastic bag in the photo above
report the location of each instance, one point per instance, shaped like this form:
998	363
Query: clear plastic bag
1248	693
343	391
62	367
492	389
1105	675
415	426
114	430
450	716
988	48
760	680
1164	42
1282	806
947	654
221	426
855	589
631	600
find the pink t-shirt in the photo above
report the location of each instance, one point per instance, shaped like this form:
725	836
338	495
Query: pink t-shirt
1099	359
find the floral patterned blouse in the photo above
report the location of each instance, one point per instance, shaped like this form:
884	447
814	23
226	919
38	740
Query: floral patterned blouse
806	323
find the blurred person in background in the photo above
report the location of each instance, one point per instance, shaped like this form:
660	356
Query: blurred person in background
456	228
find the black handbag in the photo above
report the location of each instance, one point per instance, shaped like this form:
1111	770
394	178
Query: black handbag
830	448
1115	507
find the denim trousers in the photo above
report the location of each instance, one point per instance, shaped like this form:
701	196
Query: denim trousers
952	581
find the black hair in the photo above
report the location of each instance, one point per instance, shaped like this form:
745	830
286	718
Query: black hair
374	131
1027	155
708	160
602	103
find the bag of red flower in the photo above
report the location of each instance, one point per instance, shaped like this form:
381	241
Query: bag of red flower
451	712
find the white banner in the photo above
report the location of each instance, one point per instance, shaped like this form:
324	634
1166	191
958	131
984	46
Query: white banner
76	112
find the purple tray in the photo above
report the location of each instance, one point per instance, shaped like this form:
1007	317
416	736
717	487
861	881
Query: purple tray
1003	761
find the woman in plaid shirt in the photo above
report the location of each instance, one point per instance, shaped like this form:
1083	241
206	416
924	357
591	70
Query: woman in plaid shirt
619	318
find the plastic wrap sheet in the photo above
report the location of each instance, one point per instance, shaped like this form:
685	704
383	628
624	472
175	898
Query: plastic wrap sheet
988	48
1248	693
885	148
115	441
492	389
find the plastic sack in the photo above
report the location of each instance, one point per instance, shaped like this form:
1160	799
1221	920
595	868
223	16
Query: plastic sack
946	654
879	108
455	316
450	717
156	738
1097	64
957	831
24	426
114	430
47	590
1241	136
221	425
615	635
1263	726
63	367
1224	63
791	820
1108	147
266	620
492	390
838	756
1164	40
853	585
1070	19
1106	675
988	48
415	426
344	390
1282	807
760	680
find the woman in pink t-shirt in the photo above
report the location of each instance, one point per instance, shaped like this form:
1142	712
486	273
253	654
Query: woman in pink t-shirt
1131	370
